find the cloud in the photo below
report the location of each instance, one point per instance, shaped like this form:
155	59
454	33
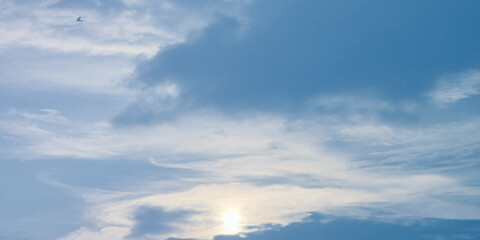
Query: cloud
103	233
155	221
350	103
456	87
205	97
40	71
45	115
255	206
281	60
318	226
45	49
130	27
151	104
326	163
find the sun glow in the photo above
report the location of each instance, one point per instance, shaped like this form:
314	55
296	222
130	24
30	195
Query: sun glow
231	222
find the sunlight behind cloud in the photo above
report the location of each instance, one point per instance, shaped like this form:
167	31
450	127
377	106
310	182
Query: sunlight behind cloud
231	222
239	120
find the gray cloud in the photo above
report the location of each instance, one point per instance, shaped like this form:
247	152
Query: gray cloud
155	220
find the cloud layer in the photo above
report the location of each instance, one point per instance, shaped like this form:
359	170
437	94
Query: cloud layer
310	163
202	119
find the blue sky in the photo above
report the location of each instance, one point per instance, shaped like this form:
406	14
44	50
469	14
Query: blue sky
239	119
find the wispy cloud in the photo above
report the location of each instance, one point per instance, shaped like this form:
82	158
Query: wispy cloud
276	203
44	48
350	102
456	87
228	131
130	27
237	156
44	115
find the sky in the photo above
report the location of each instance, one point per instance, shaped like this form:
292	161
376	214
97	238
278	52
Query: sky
239	119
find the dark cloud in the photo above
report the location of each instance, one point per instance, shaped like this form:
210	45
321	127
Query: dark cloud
154	220
292	52
319	226
316	47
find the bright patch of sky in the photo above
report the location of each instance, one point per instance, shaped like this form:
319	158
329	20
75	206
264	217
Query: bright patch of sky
245	119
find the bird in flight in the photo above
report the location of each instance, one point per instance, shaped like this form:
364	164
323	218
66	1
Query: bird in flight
79	19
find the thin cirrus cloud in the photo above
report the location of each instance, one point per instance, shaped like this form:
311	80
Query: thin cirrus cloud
125	27
456	87
252	203
95	56
300	156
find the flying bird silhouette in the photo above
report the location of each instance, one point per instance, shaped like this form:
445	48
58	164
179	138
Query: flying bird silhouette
79	19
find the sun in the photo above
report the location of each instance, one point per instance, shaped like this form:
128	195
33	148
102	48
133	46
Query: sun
231	222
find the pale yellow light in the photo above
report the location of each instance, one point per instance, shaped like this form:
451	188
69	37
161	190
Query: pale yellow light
231	222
